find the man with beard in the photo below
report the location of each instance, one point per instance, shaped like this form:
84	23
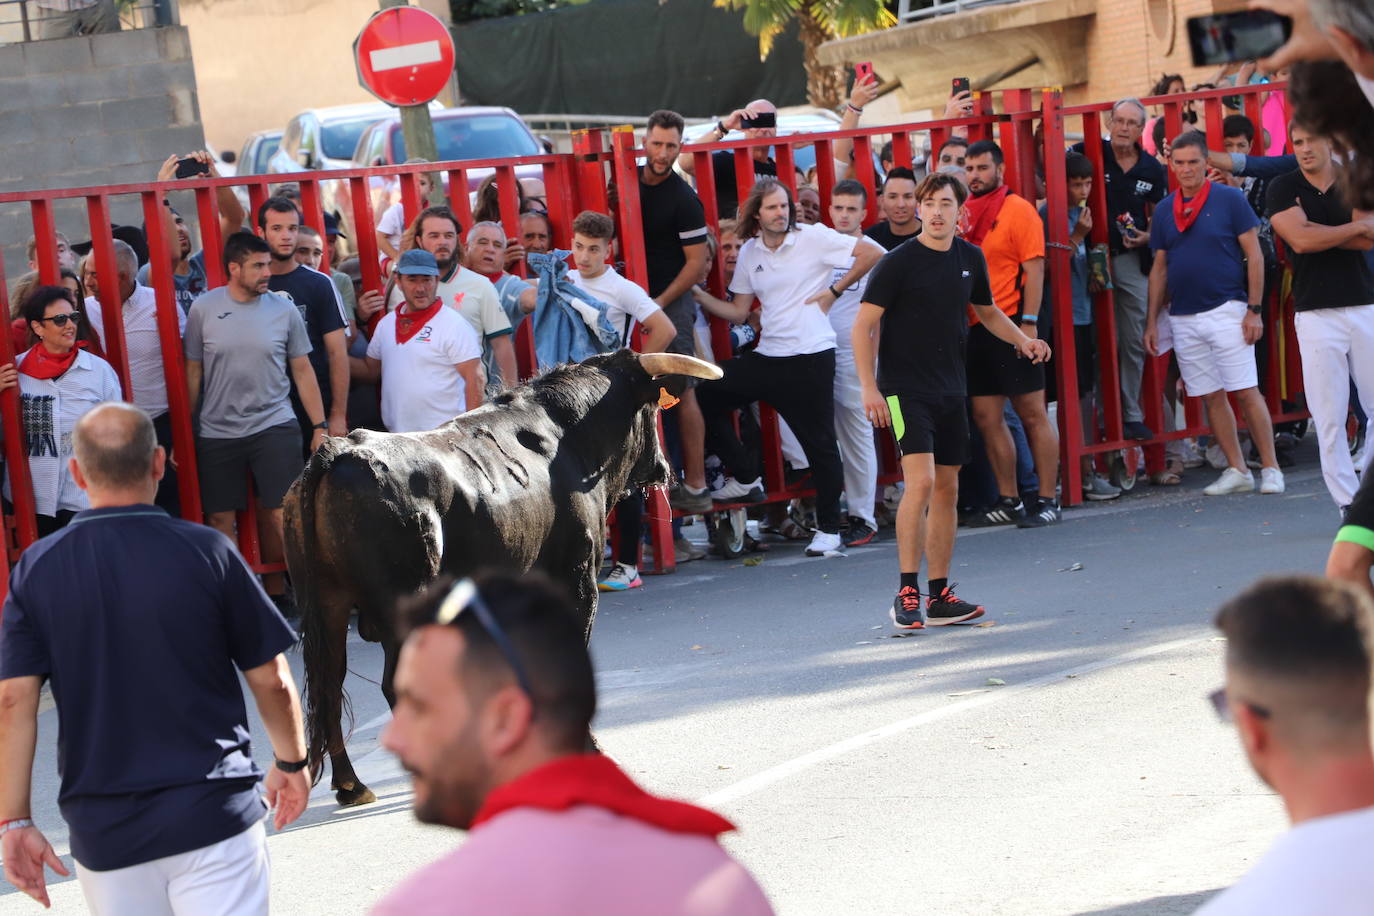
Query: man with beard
315	295
494	698
899	206
1008	230
790	269
674	229
436	230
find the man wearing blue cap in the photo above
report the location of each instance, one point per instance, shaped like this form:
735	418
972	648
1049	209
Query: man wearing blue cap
428	357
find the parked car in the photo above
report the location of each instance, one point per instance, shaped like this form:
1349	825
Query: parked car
325	138
459	134
257	149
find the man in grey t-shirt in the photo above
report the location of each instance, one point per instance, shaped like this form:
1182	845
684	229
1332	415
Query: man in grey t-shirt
240	342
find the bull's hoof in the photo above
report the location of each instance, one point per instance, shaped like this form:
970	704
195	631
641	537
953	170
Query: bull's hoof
353	796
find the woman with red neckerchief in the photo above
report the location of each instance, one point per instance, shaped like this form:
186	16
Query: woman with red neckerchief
58	383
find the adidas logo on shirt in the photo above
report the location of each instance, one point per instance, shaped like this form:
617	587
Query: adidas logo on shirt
758	268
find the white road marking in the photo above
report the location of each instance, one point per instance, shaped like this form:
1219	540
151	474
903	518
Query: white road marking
412	55
775	774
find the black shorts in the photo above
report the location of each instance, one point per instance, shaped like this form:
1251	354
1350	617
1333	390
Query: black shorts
995	368
273	456
931	424
1085	363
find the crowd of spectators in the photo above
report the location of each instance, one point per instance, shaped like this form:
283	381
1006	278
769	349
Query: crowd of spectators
1193	274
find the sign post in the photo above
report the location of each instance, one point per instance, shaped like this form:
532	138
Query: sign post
405	56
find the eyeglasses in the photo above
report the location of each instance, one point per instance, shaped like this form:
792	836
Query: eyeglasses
61	320
1222	707
463	597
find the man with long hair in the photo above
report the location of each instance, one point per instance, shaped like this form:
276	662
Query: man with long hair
790	268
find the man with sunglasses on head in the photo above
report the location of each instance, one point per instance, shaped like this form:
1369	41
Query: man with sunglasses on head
1297	689
494	701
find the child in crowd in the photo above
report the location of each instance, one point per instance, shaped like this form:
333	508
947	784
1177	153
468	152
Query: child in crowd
392	225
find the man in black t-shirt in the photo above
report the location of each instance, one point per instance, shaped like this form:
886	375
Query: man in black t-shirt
159	788
315	295
761	112
1352	554
1333	296
918	299
674	231
899	206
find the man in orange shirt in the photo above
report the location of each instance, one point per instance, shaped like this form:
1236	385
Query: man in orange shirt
1008	230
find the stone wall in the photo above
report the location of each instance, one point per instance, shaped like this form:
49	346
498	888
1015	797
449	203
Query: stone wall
97	110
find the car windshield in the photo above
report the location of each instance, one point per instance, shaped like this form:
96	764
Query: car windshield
494	136
265	150
340	138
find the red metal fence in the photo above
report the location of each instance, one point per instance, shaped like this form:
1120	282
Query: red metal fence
579	180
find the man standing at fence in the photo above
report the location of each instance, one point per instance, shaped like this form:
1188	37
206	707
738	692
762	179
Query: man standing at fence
1208	267
899	209
1333	295
159	787
757	119
673	225
1008	230
790	269
1135	182
918	299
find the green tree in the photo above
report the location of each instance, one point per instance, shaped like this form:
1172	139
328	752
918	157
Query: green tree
818	21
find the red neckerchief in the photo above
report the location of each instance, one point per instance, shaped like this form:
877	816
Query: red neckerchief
594	779
1186	214
494	278
408	324
39	363
982	214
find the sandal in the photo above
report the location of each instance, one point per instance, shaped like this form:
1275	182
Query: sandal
1171	476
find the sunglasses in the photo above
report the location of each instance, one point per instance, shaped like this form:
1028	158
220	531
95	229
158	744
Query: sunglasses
1222	707
464	597
61	320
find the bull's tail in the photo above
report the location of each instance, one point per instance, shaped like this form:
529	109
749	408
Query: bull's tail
321	647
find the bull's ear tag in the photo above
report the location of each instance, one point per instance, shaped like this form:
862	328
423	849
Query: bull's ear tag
666	400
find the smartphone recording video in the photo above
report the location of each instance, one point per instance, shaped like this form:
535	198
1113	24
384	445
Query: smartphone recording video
1243	35
760	120
958	84
189	168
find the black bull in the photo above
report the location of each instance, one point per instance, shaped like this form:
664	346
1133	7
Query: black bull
524	482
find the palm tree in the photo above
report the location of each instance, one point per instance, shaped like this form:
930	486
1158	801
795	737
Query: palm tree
818	21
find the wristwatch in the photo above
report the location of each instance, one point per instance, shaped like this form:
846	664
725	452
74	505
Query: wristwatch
721	129
1255	309
323	424
831	288
292	767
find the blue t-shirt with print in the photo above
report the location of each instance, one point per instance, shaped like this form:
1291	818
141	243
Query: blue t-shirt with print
1206	263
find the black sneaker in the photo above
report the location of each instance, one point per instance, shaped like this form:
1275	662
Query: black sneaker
906	610
1007	511
1134	429
859	533
947	607
1047	513
689	503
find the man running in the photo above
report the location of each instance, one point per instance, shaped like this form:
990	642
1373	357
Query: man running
917	301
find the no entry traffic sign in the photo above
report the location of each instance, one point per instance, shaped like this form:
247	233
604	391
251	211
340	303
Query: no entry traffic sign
404	55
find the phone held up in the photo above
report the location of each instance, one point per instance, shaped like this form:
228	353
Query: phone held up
958	84
189	168
762	119
1224	38
863	70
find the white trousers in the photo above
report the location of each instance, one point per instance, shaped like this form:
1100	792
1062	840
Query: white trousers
854	433
228	878
1337	344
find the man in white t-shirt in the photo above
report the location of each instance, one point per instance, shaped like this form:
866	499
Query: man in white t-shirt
426	354
1297	685
853	429
143	347
470	293
790	269
630	310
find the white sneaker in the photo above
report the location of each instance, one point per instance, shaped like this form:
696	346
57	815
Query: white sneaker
1231	480
1271	480
1216	457
823	543
733	491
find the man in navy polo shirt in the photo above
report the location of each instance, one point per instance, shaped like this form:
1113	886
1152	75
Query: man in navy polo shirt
1208	267
139	621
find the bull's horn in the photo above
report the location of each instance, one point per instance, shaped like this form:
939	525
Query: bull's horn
678	364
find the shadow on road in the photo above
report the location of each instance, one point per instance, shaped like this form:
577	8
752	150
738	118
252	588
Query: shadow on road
1157	906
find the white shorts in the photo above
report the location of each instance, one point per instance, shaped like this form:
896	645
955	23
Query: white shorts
228	878
1212	352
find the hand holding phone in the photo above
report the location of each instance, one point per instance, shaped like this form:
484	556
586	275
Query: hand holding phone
958	84
863	71
1223	38
191	166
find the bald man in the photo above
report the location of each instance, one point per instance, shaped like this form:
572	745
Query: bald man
764	116
141	622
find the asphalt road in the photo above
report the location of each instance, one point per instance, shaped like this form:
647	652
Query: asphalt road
1061	760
